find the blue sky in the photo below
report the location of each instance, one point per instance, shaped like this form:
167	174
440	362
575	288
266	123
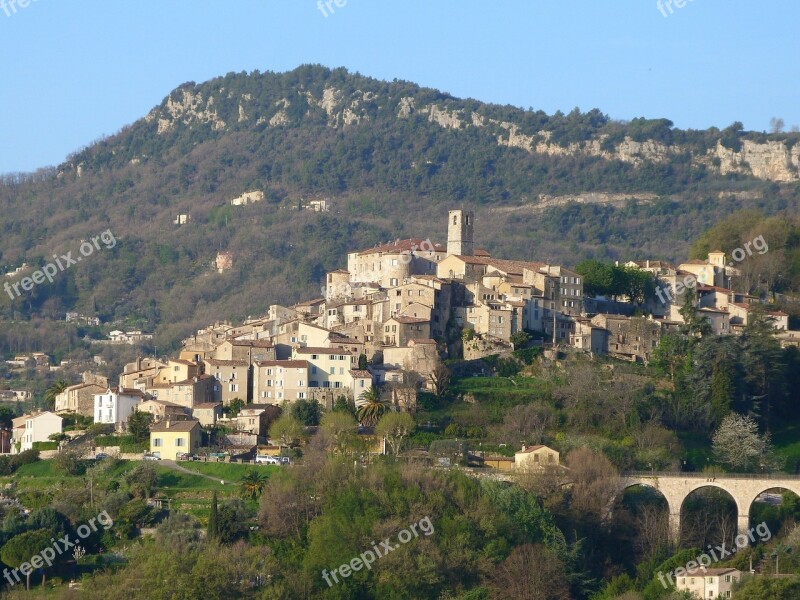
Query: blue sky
75	70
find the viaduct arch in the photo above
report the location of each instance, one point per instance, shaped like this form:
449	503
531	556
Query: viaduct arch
743	488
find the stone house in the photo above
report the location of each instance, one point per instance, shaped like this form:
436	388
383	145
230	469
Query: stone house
232	379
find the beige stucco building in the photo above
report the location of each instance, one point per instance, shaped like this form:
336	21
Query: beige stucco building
535	457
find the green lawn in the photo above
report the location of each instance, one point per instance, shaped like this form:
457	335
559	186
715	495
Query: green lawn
228	471
495	394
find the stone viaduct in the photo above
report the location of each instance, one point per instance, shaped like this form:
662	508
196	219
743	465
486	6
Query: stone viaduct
743	488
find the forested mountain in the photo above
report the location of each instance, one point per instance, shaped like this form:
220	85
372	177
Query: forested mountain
392	157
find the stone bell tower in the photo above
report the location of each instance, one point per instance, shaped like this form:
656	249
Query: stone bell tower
460	230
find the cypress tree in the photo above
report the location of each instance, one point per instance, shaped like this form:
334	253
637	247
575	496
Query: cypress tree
213	524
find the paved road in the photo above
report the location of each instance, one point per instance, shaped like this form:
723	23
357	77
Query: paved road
171	464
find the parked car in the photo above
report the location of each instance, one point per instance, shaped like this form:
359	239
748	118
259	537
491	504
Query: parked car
268	460
285	460
100	456
149	456
187	456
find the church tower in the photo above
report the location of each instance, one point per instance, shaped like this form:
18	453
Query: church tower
460	230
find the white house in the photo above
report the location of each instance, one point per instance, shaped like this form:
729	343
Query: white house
116	405
707	583
35	427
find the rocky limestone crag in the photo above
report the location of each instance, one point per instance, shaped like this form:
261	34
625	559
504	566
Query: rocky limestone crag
770	160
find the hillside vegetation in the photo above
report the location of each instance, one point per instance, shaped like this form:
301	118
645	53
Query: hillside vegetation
392	158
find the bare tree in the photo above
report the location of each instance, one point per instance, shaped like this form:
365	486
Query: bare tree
652	524
531	572
526	423
595	482
776	125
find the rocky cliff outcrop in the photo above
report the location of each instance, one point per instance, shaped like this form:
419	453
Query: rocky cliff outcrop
770	160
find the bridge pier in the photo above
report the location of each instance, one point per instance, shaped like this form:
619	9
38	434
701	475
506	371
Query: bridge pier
743	523
674	527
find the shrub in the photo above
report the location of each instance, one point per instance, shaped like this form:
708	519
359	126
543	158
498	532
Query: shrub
45	445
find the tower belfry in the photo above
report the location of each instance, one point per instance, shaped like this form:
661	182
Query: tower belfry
460	232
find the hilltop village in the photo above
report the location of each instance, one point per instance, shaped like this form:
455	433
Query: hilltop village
392	317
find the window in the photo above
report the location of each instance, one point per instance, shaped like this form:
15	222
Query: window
315	357
234	387
180	442
313	370
157	443
393	282
394	262
333	371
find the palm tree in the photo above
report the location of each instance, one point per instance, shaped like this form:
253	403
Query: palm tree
253	484
372	408
53	391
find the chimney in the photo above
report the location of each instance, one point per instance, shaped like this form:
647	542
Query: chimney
167	423
524	447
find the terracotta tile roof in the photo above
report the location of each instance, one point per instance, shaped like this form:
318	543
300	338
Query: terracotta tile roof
515	267
181	361
694	261
310	302
164	402
409	320
252	343
422	341
704	287
289	364
711	572
360	373
531	449
226	363
207	405
318	350
399	246
178	426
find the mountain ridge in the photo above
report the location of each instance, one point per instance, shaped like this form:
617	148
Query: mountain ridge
390	168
